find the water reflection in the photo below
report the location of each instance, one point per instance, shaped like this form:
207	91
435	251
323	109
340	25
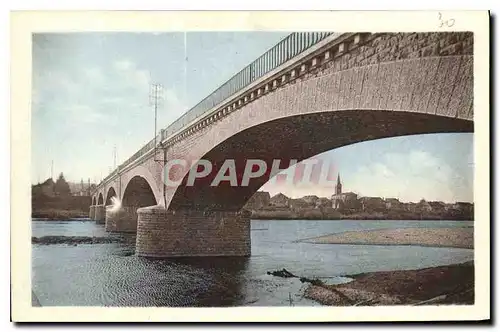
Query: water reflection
225	275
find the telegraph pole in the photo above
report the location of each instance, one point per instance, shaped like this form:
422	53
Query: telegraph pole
155	99
114	157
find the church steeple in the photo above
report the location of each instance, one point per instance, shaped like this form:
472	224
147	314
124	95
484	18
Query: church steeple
338	187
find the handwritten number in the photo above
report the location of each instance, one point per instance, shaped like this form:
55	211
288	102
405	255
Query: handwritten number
445	23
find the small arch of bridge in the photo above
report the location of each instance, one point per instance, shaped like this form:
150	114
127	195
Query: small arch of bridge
110	194
100	199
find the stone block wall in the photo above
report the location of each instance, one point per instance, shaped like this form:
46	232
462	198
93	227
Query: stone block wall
123	220
100	214
162	233
92	212
385	47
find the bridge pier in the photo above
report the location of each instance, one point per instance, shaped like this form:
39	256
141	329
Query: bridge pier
92	212
100	214
163	233
122	220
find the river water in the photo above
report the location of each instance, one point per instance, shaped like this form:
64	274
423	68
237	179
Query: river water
111	275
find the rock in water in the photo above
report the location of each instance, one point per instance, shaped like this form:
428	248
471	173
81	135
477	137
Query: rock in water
283	273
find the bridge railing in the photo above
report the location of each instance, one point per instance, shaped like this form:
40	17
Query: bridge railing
286	49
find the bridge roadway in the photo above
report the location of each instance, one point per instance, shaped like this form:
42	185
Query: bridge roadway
311	93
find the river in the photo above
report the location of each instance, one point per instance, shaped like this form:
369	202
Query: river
111	275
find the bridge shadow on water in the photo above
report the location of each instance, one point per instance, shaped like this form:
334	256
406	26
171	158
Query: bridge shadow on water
224	279
185	281
198	281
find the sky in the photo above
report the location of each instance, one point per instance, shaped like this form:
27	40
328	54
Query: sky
90	94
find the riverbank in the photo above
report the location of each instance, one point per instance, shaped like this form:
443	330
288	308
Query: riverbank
59	214
460	237
74	240
331	214
451	284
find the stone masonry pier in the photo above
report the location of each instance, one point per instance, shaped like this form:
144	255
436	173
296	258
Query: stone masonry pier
92	212
122	220
100	214
162	233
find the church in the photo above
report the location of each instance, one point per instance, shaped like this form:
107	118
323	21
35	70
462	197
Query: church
344	201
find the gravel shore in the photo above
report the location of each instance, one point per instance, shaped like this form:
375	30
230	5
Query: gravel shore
74	240
434	237
451	284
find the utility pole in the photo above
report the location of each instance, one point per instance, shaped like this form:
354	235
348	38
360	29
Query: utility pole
155	99
114	157
185	65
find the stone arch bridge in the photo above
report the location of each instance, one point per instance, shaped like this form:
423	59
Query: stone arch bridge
311	93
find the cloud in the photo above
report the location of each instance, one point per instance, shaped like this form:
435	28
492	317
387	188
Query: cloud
410	177
123	65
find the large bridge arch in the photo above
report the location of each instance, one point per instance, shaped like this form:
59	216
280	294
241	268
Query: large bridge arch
307	136
319	113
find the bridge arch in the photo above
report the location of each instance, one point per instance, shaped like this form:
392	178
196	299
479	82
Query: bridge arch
144	173
317	114
138	193
110	193
318	133
100	199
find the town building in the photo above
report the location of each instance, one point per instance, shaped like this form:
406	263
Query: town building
259	200
464	207
372	204
423	206
438	207
323	202
344	201
310	199
280	200
298	204
393	204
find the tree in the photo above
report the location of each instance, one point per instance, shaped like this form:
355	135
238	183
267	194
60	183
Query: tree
61	187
